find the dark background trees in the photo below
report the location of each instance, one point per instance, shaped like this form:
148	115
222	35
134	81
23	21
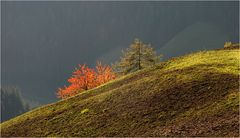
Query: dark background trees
12	102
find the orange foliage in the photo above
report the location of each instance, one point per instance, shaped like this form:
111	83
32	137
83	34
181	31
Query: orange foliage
104	73
85	78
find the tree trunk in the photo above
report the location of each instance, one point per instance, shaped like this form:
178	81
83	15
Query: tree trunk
139	57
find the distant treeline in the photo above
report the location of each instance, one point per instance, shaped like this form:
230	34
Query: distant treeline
12	102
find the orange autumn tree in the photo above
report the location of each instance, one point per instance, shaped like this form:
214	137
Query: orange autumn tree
104	73
85	78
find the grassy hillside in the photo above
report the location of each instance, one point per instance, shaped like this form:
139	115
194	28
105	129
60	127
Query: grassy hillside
193	95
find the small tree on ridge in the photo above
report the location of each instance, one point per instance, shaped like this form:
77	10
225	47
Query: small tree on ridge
136	57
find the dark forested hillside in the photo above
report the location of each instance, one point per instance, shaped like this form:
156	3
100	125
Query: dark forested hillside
12	103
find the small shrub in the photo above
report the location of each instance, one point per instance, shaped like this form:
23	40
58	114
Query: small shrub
227	44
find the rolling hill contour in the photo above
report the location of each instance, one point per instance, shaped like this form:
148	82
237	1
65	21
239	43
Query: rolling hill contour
192	95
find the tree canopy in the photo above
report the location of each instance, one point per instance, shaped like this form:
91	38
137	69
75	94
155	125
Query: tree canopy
138	56
85	78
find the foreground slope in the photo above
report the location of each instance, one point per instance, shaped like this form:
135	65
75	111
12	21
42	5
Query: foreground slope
193	95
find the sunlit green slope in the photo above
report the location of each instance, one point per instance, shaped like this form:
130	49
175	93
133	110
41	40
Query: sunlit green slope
192	95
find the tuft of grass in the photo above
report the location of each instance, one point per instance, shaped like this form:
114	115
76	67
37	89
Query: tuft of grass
84	111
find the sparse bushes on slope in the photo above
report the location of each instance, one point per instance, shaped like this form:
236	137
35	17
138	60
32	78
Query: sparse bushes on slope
136	57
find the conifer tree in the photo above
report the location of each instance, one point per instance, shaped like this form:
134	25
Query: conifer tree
136	57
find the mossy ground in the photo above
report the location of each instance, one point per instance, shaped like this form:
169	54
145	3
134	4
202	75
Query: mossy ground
192	95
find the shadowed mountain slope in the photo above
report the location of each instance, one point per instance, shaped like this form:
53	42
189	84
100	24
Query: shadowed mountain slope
196	37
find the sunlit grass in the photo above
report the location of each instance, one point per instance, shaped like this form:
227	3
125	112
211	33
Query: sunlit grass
224	61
